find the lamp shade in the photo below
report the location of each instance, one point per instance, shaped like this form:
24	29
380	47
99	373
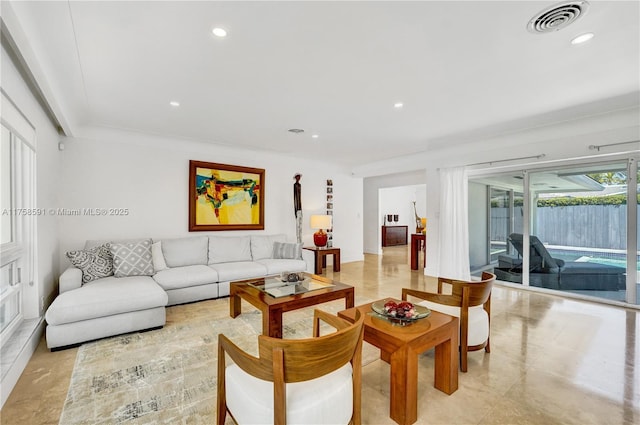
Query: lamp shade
321	222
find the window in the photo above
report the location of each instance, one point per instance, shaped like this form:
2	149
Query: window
17	216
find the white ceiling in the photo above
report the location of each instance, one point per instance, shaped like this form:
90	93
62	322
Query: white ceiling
331	68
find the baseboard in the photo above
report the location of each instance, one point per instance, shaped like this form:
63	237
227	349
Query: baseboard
15	370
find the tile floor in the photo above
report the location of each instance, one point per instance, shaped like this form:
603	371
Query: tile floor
552	361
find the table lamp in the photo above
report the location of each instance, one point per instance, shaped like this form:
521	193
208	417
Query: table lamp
320	222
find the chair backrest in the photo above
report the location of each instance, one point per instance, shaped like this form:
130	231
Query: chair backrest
477	291
309	358
538	252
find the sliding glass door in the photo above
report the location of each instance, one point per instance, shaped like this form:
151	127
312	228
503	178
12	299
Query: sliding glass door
578	230
505	215
578	223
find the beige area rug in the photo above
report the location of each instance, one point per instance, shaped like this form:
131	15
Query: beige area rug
168	376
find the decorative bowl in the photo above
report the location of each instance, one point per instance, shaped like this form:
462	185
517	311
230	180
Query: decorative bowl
420	313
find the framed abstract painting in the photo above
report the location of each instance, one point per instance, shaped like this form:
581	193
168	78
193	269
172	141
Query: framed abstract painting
225	197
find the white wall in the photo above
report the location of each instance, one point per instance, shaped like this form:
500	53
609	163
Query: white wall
149	176
399	200
374	210
558	142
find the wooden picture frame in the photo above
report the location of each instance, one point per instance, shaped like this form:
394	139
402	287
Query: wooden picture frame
225	197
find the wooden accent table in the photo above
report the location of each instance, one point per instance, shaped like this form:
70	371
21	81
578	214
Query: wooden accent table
272	307
400	347
320	257
417	240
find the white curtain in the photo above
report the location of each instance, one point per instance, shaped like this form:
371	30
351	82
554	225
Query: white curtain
454	224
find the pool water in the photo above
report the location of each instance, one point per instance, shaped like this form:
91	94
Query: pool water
610	259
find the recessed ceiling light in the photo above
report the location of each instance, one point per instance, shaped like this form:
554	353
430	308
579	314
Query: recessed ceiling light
219	32
398	105
583	38
174	103
315	136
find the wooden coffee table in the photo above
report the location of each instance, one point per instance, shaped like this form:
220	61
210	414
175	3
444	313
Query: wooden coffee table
272	307
400	346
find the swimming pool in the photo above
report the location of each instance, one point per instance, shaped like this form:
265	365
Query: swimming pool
608	258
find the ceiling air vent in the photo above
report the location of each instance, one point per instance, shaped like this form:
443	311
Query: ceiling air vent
557	17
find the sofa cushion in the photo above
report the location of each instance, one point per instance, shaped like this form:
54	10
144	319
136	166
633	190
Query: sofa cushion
324	400
132	258
182	277
291	251
239	270
106	297
229	249
262	245
185	251
158	257
95	263
277	266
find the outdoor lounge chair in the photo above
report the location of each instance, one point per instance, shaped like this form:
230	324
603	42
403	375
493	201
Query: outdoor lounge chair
548	272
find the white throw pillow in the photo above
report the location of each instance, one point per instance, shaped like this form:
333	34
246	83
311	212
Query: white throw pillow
262	245
158	257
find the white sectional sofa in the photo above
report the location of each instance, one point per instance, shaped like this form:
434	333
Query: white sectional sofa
184	270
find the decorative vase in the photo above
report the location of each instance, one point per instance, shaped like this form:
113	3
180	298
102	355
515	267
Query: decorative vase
395	218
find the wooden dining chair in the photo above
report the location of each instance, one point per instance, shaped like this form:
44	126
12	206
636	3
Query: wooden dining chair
470	301
305	381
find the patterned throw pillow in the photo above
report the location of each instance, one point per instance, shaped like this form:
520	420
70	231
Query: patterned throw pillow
132	258
290	251
95	262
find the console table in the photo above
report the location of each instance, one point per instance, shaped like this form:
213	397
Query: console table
320	256
394	235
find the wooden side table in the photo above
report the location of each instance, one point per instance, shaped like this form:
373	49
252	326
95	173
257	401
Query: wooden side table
417	239
320	256
400	346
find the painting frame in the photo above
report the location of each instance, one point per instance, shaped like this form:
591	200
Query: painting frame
242	184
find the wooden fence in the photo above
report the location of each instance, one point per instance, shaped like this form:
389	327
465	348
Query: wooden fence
587	226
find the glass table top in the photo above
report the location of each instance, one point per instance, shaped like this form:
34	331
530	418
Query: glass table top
275	287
